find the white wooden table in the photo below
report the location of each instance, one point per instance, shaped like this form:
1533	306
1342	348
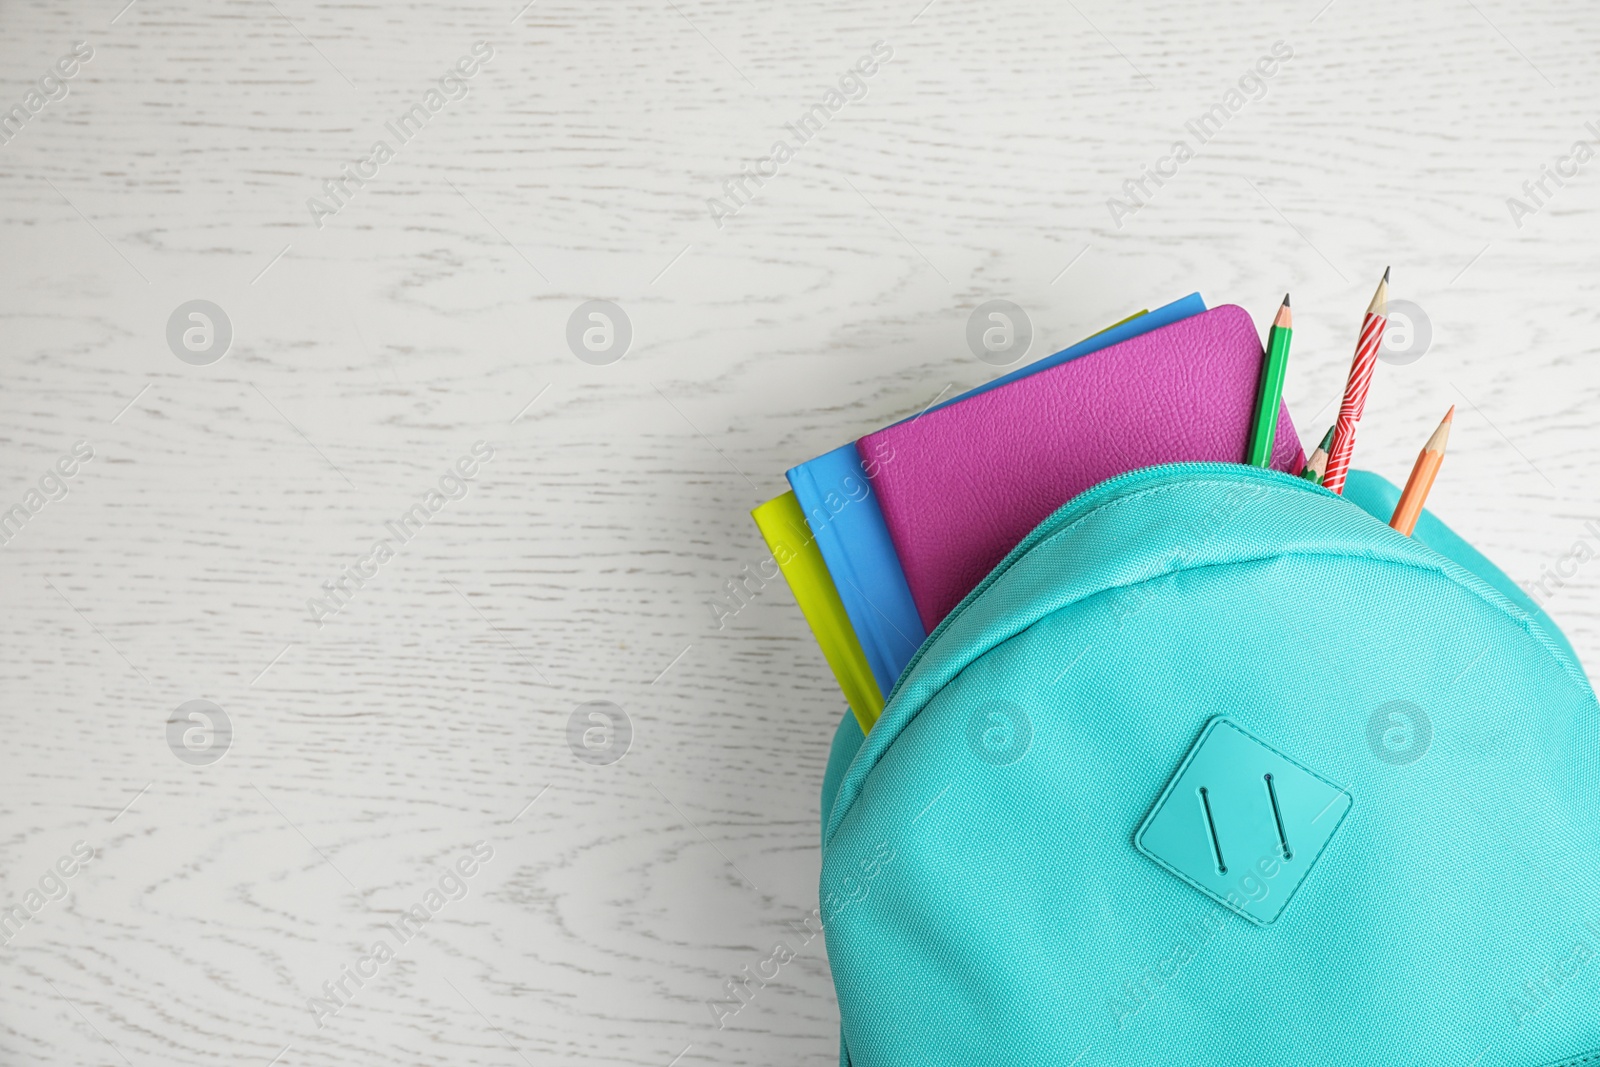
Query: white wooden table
377	337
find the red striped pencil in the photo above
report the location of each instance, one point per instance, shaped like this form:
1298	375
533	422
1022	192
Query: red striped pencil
1355	390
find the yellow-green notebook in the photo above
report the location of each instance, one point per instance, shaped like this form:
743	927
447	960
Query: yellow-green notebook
783	526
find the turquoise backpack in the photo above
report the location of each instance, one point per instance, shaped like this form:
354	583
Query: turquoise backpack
1215	768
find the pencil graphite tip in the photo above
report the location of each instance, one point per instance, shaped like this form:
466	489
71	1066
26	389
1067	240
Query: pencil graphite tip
1450	416
1327	438
1380	298
1284	320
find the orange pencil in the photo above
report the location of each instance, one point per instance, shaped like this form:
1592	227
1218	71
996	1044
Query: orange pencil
1423	473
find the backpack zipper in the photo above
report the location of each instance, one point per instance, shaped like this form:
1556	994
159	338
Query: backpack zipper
1096	496
1100	495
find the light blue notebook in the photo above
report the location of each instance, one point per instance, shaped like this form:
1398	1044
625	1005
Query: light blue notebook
843	513
839	505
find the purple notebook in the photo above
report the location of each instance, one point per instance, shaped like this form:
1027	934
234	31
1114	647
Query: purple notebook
970	480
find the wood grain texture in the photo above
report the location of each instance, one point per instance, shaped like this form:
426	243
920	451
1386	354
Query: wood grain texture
430	312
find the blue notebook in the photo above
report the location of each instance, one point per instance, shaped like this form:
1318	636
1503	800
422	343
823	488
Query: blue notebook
834	492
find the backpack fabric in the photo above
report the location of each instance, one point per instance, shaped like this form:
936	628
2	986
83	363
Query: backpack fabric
1215	768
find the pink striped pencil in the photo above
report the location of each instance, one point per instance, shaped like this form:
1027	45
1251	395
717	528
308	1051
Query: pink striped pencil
1355	390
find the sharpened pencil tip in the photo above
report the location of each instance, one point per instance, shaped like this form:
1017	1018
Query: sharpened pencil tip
1284	319
1380	296
1441	435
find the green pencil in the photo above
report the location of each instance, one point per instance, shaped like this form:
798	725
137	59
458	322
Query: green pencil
1269	394
1317	465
